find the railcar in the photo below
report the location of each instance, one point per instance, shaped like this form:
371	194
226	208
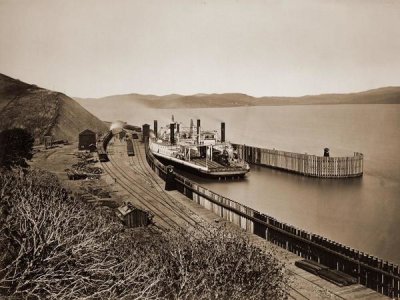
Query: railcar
102	147
129	147
334	276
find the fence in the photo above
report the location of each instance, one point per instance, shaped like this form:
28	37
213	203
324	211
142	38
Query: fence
372	272
305	164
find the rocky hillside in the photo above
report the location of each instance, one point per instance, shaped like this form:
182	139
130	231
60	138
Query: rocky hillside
387	95
43	112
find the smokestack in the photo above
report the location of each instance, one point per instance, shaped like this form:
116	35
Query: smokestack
198	131
177	127
155	128
191	128
171	133
223	132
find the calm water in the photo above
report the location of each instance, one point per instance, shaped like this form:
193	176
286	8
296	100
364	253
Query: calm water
363	213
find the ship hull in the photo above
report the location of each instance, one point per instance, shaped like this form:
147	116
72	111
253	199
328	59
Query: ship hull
226	172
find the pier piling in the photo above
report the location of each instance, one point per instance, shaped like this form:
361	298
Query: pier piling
304	164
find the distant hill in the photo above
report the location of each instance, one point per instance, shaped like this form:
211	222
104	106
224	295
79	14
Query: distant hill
43	111
387	95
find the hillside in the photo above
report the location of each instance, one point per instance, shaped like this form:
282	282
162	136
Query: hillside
42	111
387	95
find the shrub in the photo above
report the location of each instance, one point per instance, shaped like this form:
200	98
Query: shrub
57	247
220	265
15	146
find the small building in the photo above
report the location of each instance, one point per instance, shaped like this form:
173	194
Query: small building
132	216
145	132
87	139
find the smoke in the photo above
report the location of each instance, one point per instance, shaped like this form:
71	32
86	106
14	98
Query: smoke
117	126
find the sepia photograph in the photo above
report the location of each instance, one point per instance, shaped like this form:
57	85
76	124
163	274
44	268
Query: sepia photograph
200	149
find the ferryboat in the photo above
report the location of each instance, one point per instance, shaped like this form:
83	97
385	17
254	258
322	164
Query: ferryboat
196	150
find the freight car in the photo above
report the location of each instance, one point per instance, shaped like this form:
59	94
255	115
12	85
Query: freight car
337	277
103	157
310	266
106	139
129	147
334	276
102	147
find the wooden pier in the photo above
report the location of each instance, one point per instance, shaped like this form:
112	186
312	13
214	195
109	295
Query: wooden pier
141	183
304	164
378	275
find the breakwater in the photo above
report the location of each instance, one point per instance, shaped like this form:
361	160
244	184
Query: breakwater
370	271
304	164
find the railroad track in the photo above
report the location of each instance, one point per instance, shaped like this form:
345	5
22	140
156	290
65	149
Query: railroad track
316	284
163	195
166	210
296	294
152	177
142	204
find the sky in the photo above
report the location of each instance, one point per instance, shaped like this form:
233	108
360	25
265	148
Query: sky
258	47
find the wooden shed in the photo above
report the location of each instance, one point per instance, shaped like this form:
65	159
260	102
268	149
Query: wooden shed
87	139
132	216
145	132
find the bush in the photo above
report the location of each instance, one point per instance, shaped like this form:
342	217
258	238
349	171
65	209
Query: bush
220	265
15	147
54	246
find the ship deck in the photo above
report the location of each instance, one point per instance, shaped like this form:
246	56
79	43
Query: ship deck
209	168
212	165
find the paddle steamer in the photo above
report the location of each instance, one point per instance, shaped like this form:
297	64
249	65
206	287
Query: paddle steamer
196	150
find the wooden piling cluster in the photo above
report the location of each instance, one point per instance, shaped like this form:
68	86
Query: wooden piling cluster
370	271
304	164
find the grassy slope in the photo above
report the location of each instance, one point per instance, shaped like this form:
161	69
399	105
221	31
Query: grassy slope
43	111
11	88
73	118
388	95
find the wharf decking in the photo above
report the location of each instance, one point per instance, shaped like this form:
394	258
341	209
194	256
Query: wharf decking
134	180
